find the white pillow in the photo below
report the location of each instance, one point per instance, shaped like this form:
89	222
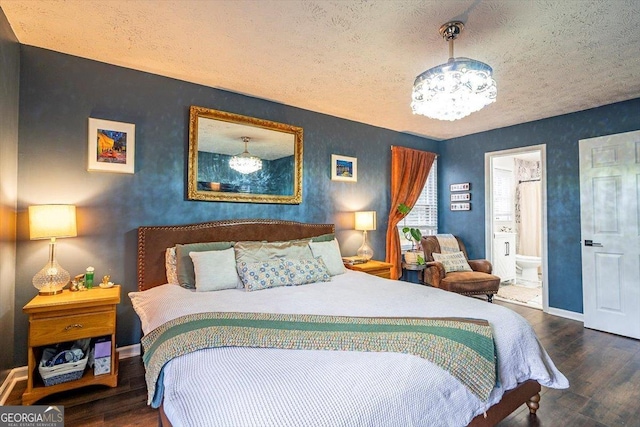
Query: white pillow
215	270
452	262
330	253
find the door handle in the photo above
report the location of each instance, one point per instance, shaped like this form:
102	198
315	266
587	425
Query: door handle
592	243
506	248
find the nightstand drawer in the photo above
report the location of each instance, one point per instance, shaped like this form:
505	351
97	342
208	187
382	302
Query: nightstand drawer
69	328
381	273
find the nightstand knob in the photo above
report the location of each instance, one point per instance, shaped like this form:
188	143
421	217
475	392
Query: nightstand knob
74	326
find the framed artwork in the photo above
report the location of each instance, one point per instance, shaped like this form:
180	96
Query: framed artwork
111	146
464	206
344	168
217	137
465	186
458	197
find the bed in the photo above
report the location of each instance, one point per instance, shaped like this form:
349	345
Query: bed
232	385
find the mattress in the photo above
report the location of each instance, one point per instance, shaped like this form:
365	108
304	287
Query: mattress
234	386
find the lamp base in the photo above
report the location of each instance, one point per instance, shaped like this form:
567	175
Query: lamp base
365	251
48	292
52	278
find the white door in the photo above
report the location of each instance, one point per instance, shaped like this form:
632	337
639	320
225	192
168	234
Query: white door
609	214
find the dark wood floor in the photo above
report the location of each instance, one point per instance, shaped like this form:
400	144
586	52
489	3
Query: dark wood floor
603	369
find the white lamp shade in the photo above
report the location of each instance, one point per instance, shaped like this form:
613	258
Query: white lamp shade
366	220
51	221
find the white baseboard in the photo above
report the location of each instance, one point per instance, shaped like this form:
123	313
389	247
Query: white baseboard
128	351
20	373
16	374
566	314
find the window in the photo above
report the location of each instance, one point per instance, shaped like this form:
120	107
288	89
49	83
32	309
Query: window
502	195
424	215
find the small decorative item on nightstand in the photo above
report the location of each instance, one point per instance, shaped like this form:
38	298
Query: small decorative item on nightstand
88	277
106	282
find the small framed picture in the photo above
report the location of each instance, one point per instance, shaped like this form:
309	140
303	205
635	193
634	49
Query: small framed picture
458	197
464	206
465	186
344	168
111	146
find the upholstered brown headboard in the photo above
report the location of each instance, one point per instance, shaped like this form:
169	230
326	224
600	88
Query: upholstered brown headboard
154	240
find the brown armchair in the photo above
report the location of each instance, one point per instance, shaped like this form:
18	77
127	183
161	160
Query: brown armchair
477	282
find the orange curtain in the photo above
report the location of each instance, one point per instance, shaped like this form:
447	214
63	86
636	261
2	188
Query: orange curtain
409	171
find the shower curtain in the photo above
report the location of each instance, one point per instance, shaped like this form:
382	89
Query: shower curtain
530	225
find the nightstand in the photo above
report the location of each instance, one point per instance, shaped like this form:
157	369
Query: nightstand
375	268
70	316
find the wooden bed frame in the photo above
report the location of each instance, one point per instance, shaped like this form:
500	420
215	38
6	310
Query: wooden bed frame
154	240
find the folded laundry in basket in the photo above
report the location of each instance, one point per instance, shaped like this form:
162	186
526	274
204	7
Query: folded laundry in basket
66	352
65	357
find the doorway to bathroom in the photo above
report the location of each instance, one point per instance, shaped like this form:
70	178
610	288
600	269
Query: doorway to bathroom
516	223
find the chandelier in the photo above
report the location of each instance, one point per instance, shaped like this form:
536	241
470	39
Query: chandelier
455	89
245	163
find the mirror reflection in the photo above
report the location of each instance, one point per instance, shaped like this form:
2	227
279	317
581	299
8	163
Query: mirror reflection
243	159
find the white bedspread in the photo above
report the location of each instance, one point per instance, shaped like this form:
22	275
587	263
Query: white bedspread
272	387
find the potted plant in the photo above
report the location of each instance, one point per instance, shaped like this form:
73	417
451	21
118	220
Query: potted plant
413	256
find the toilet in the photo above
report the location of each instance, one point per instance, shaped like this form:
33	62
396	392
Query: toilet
527	270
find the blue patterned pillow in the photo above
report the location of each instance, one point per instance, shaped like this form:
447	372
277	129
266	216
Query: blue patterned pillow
263	274
303	271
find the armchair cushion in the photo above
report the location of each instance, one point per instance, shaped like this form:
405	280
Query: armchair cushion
470	282
455	261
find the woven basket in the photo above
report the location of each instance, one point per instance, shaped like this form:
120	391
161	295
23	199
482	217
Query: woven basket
62	373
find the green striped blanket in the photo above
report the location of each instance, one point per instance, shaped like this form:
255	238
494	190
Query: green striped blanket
463	347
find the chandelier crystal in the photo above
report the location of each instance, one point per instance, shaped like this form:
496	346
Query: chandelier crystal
455	89
245	163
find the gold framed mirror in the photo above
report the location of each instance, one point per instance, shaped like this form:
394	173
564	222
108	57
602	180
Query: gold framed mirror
235	158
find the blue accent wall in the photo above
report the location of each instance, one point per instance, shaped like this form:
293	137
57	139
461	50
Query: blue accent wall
462	160
58	93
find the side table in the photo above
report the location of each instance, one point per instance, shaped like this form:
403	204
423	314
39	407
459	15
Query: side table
376	268
70	316
412	272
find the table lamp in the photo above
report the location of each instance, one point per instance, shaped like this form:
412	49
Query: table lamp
51	222
365	220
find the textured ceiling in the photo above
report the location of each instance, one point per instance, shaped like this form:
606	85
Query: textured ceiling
358	59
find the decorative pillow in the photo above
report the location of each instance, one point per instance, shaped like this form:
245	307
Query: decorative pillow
170	265
263	274
303	271
215	270
250	252
324	238
330	253
452	262
184	264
